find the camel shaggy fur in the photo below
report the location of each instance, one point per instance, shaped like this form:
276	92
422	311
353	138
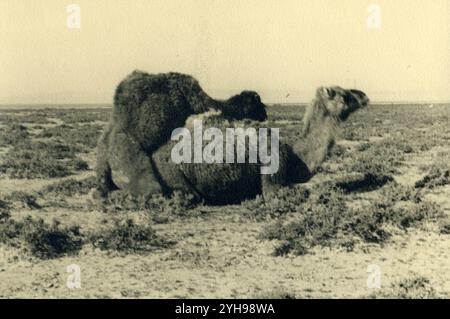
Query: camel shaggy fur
229	183
147	108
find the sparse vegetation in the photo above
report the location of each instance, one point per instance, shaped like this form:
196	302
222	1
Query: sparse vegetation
23	116
438	175
323	221
444	226
74	116
84	137
276	294
379	160
70	187
128	237
121	201
4	211
21	199
417	287
41	160
326	220
353	204
47	241
394	193
42	240
285	200
13	134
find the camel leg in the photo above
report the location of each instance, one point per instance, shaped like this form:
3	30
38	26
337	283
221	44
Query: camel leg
105	183
269	186
131	168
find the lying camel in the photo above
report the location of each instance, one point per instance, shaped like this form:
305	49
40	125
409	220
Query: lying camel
147	108
229	183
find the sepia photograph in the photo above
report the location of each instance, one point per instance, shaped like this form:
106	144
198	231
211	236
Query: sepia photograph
225	149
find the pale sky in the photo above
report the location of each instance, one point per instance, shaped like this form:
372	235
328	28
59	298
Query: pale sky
284	49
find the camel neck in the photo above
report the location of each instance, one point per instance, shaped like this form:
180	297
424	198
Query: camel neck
318	137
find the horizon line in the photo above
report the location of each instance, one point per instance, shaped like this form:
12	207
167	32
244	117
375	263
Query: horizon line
109	104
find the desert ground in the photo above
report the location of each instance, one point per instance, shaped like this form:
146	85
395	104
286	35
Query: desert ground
382	199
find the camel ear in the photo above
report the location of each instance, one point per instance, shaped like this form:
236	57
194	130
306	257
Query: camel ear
322	92
327	93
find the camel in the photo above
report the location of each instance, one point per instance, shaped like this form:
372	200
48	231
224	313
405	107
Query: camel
147	108
231	183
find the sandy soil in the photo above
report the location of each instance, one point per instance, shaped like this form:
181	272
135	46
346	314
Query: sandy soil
218	255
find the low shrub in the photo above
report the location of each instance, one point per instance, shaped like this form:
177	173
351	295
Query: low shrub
285	200
81	136
70	187
21	199
41	239
417	287
437	175
379	160
317	223
4	211
13	135
444	226
41	160
73	116
121	201
23	116
406	217
52	241
326	220
276	294
394	193
128	237
4	215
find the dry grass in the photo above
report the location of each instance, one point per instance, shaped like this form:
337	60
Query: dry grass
374	199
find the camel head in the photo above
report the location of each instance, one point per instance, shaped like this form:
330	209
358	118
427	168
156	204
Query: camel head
340	103
247	104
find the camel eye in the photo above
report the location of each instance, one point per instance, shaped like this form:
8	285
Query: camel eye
331	93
